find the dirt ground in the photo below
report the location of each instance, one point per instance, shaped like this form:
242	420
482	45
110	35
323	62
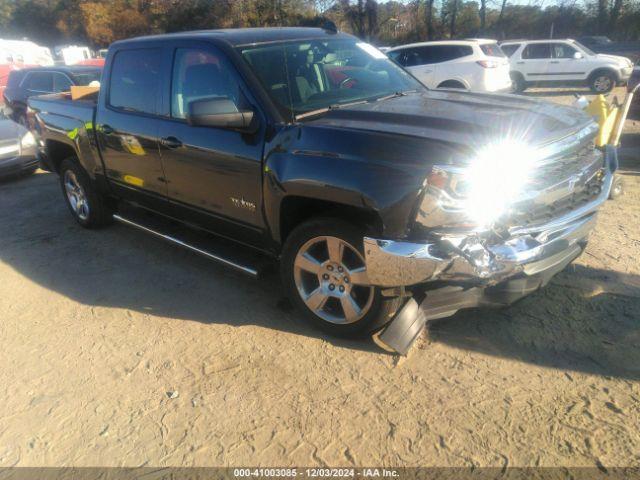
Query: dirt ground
120	350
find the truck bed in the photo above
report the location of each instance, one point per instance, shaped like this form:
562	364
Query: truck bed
62	120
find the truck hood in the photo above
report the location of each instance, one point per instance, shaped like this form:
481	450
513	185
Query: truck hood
466	120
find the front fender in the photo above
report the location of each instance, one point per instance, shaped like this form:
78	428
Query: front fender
326	165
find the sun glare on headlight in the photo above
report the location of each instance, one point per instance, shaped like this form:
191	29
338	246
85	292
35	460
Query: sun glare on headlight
495	178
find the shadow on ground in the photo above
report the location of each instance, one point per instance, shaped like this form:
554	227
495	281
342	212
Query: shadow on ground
585	320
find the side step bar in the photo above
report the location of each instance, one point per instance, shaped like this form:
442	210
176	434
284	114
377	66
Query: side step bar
212	256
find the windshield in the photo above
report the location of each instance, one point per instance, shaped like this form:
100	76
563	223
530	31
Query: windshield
306	76
85	78
587	50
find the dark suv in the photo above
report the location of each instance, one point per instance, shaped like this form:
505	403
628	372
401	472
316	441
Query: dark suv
27	82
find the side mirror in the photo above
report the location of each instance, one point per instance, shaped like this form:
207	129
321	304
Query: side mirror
221	112
578	56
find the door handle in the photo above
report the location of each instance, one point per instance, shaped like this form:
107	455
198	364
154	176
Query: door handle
107	129
170	142
554	61
520	63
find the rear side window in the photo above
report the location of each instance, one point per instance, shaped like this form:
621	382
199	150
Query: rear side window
537	50
492	50
39	82
135	80
509	50
61	83
430	54
445	53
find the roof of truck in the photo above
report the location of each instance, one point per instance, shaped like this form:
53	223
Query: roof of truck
249	36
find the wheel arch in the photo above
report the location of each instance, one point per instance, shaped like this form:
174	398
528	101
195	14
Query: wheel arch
295	209
58	151
452	83
601	70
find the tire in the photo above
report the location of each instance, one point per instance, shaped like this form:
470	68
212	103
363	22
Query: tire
78	190
313	239
518	82
617	189
602	82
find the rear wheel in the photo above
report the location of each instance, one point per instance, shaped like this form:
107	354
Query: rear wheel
518	82
324	272
86	204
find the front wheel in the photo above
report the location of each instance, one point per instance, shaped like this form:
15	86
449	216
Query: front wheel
324	272
602	82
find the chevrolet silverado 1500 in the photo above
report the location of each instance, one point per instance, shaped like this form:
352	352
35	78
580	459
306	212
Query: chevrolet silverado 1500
379	198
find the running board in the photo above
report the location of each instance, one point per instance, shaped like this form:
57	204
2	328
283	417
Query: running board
237	265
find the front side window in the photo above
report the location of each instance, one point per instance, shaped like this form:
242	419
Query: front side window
199	74
39	82
135	80
537	51
61	83
562	50
304	76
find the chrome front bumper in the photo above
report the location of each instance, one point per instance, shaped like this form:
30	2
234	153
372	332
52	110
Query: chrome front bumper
528	251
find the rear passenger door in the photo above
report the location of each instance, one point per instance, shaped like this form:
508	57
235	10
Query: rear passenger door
535	62
214	174
128	122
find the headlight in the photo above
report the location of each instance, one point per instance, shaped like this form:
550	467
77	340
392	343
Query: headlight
485	189
28	140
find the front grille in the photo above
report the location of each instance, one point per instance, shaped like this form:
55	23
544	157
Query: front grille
561	185
545	213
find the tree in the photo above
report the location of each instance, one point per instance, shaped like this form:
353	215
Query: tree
430	32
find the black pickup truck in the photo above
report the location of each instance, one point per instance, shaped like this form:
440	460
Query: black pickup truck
384	202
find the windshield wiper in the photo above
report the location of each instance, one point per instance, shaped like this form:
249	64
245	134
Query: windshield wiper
335	106
394	95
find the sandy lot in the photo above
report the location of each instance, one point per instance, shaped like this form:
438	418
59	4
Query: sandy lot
119	350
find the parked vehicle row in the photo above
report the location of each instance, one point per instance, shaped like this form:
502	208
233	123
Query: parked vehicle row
480	65
563	62
379	198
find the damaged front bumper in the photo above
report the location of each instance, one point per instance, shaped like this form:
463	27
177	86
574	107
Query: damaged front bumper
477	272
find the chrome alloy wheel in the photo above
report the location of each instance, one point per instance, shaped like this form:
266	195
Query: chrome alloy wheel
602	83
331	278
76	196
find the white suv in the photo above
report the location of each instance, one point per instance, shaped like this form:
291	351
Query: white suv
563	62
473	65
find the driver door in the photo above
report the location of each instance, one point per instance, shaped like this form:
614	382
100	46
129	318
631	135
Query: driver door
563	65
214	175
